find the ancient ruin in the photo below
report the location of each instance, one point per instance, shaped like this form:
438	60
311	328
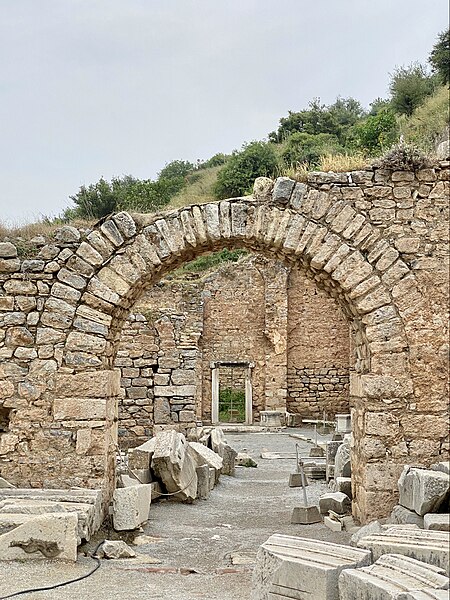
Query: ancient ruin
374	242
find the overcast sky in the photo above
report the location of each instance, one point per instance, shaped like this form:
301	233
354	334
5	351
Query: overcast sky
93	88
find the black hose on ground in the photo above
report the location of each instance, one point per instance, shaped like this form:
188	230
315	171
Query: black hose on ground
58	585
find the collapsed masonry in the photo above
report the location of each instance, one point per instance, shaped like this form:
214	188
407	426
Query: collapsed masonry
375	240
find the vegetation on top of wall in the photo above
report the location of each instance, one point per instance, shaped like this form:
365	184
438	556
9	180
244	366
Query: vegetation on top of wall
212	260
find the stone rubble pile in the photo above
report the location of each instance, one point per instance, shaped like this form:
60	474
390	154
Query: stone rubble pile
168	465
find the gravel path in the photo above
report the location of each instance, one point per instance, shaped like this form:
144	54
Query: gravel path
190	554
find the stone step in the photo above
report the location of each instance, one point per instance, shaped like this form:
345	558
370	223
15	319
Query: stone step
431	547
295	567
390	575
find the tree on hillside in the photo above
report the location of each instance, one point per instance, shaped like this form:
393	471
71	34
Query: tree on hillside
122	193
176	169
440	57
409	87
319	118
256	159
376	133
306	148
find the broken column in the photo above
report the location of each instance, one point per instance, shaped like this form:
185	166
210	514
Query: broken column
174	466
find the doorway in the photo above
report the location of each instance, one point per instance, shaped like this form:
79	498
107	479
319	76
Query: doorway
232	395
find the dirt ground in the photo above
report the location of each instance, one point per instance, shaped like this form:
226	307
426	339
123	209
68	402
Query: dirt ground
191	547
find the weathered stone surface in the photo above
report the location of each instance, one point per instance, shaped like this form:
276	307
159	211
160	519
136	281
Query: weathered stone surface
365	530
342	464
336	501
115	549
282	190
7	250
173	464
67	236
131	506
245	460
217	439
4	484
205	456
140	458
390	575
432	547
203	482
262	188
46	536
437	522
404	516
294	567
229	455
422	490
344	485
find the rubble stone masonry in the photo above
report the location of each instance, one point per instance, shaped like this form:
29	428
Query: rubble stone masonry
376	241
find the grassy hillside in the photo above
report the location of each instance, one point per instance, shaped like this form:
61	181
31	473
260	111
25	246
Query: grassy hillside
199	188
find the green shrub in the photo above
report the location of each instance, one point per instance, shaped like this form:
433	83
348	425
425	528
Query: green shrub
202	263
231	405
440	57
409	87
256	159
375	133
176	169
305	148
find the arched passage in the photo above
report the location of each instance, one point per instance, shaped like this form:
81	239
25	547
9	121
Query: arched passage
91	295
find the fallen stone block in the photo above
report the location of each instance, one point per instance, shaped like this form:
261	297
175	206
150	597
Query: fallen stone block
203	482
305	515
423	490
141	456
131	506
245	460
205	456
217	440
342	465
87	519
294	567
45	536
332	524
431	547
141	475
437	521
115	549
390	575
229	455
78	496
404	516
174	466
344	485
365	530
443	467
335	501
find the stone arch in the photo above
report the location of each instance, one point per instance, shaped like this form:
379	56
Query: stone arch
337	246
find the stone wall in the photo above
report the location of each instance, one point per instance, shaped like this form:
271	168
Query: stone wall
318	351
375	240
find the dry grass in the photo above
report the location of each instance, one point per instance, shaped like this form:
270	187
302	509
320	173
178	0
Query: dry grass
199	191
299	172
342	163
28	231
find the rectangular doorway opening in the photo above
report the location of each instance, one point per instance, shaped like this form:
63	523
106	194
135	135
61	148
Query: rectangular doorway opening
231	392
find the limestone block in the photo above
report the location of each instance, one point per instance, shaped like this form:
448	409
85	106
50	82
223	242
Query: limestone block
422	490
365	530
131	506
330	454
335	501
7	250
205	456
44	536
229	455
390	575
437	522
67	235
67	499
83	408
217	439
245	460
173	464
296	567
443	467
402	515
282	190
203	484
96	384
342	465
141	457
262	188
431	547
174	390
344	485
5	484
115	549
212	479
86	513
